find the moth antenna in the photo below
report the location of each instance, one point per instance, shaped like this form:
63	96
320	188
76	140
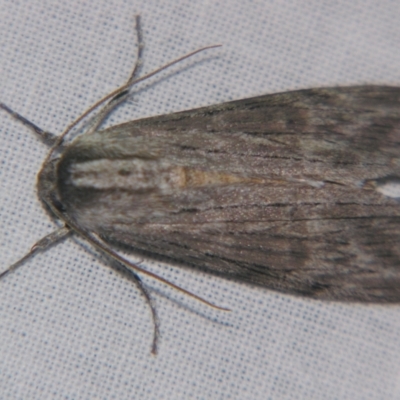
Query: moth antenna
50	139
114	95
46	137
39	246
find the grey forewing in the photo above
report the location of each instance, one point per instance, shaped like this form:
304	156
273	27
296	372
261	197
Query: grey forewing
278	190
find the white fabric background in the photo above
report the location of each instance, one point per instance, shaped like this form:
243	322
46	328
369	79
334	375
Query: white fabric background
72	329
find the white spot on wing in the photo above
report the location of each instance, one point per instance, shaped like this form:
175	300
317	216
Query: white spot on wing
389	187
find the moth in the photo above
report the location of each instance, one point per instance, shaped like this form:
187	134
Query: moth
296	192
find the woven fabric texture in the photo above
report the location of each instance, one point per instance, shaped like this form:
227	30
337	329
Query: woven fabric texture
71	328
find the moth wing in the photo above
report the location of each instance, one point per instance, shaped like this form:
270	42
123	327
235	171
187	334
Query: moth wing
288	191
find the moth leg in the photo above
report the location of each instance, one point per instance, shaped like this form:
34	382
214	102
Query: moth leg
123	94
140	47
47	138
132	276
41	245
